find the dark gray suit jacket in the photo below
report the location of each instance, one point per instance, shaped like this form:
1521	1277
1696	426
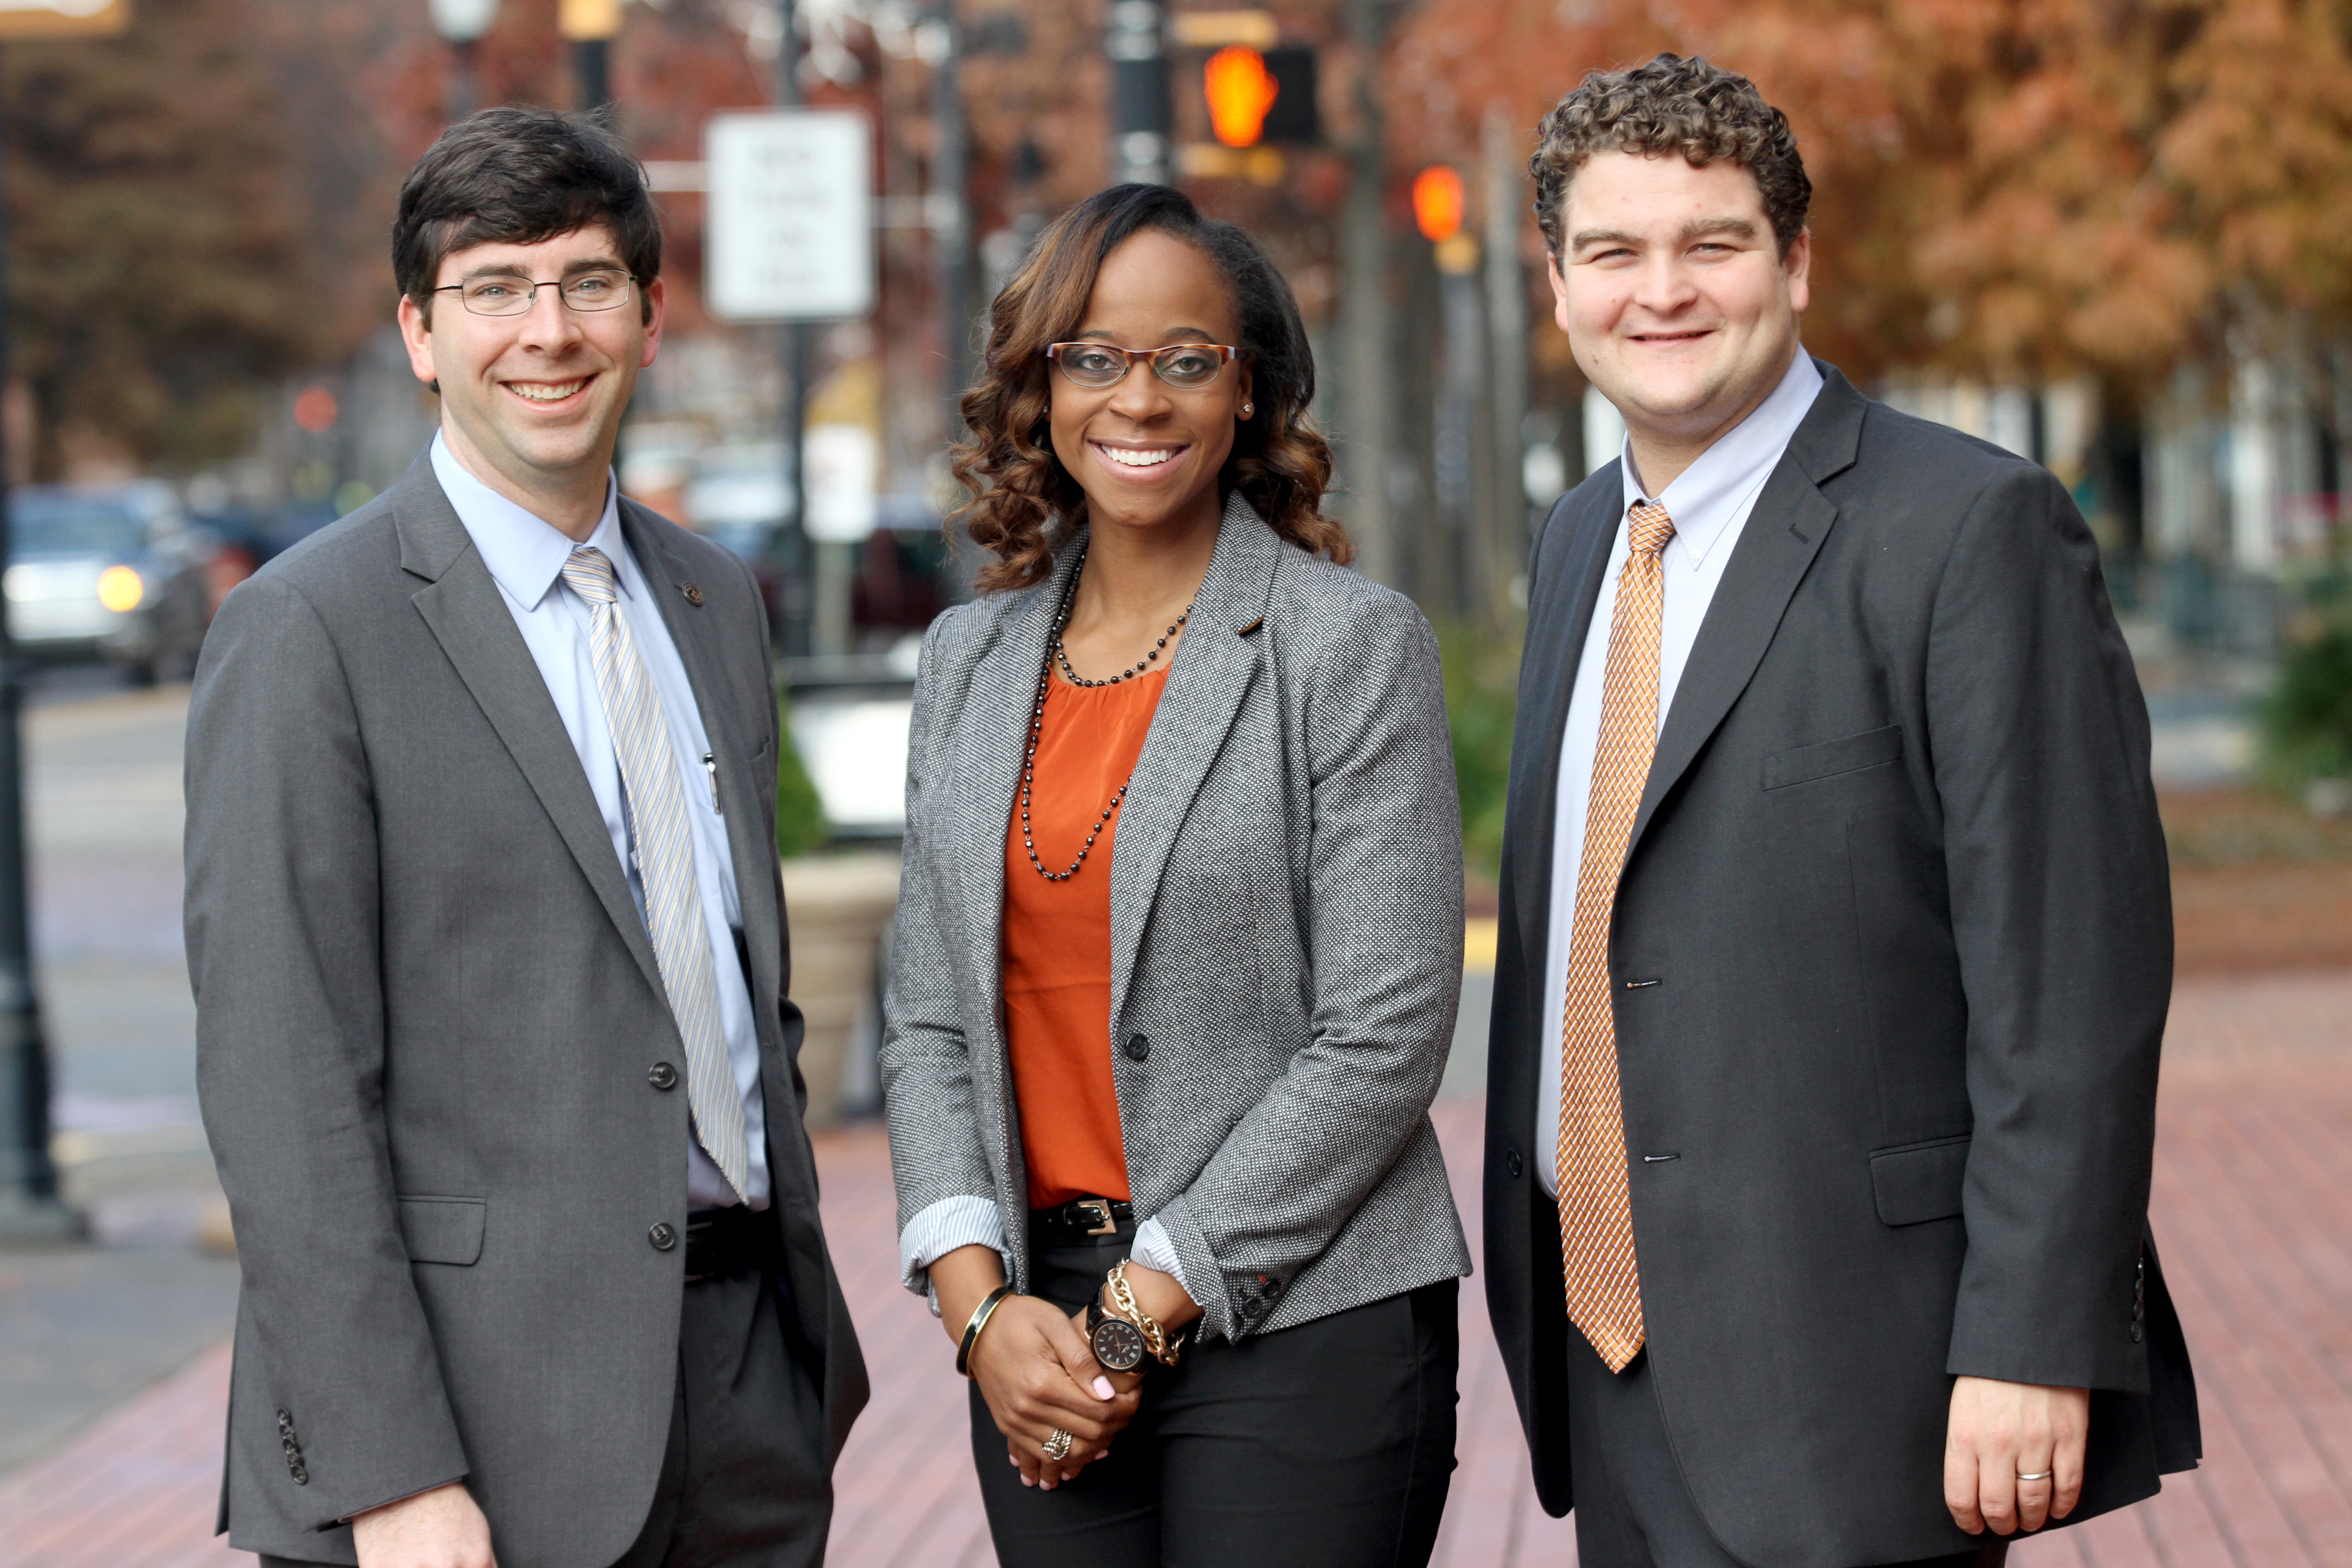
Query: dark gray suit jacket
426	1008
1898	880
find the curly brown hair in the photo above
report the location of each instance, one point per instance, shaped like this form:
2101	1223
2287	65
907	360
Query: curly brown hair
1025	505
1671	105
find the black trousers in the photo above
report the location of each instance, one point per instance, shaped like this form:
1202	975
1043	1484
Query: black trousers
1632	1510
1325	1446
744	1482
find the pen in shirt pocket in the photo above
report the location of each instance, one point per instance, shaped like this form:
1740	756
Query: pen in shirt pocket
710	767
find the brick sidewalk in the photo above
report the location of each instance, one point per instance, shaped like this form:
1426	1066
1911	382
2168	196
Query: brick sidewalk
2253	1212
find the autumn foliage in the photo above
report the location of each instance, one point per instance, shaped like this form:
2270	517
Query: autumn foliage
2008	188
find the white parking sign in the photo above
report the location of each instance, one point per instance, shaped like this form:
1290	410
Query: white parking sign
790	235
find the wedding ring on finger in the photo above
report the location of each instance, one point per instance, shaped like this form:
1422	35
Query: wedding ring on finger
1057	1446
2037	1476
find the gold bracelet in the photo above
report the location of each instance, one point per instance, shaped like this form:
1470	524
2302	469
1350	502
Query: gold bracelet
980	1316
1155	1339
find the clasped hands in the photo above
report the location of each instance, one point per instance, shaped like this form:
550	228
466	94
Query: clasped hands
1036	1369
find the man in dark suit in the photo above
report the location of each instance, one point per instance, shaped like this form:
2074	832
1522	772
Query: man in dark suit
493	1029
1835	936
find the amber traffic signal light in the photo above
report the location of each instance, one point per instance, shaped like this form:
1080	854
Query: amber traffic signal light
1437	202
1261	96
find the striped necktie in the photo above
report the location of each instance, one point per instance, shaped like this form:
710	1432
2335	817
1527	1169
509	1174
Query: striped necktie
664	852
1596	1214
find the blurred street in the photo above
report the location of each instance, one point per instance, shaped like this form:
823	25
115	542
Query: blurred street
115	1365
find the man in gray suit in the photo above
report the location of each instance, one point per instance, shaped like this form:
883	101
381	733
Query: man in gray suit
1835	937
489	955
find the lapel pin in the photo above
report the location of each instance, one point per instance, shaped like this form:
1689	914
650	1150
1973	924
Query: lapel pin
693	594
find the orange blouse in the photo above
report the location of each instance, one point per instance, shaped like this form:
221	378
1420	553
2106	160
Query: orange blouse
1058	940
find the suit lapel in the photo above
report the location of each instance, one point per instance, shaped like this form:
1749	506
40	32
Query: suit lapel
462	605
696	632
993	731
1214	666
1783	533
1577	542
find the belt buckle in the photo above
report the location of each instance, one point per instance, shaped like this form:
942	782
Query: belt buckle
1100	1209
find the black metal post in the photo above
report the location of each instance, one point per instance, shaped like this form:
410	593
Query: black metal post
1143	107
950	222
30	1209
464	77
795	626
592	65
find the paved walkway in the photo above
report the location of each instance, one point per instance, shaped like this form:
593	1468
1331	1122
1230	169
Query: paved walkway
2254	1211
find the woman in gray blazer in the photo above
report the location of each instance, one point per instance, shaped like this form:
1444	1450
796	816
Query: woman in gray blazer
1179	942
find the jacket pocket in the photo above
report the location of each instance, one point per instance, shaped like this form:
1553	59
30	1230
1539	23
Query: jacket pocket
1920	1181
1800	764
442	1230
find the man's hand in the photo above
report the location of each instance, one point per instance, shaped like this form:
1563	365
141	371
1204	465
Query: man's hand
2003	1431
444	1528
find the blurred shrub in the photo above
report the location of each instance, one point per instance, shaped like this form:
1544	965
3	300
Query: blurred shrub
801	827
1482	699
2306	725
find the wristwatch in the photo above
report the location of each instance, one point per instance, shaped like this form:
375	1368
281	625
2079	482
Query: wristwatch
1118	1345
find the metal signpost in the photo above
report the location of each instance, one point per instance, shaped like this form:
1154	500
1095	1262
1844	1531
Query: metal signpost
30	1209
790	238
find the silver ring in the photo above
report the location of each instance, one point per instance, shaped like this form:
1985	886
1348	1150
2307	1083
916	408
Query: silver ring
1057	1446
2039	1475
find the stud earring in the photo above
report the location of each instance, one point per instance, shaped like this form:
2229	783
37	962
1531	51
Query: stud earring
1248	409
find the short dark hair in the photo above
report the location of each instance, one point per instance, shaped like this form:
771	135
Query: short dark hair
519	176
1671	105
1025	504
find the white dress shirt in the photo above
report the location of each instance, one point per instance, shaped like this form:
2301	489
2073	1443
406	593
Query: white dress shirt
525	556
1709	503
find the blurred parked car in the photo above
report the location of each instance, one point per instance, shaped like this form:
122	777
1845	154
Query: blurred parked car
115	569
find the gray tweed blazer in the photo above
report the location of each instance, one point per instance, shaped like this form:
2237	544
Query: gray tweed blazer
1285	941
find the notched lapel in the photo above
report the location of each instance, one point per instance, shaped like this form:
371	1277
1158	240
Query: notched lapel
991	732
1213	667
1775	551
466	613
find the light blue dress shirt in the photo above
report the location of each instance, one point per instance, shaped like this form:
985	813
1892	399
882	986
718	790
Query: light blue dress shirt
1709	503
525	556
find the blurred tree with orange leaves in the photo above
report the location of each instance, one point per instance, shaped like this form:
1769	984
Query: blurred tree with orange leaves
2003	188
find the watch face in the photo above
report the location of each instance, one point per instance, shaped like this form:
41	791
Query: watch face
1118	1344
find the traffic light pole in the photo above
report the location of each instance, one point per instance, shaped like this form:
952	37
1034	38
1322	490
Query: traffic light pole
796	622
30	1209
1143	109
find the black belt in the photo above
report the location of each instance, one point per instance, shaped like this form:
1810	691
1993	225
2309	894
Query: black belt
728	1243
1082	1220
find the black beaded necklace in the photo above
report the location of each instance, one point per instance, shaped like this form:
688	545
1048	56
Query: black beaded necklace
1038	724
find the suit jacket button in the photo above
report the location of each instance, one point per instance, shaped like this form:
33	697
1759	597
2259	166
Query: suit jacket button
1138	1048
663	1235
661	1075
2138	1333
1511	1163
1274	1288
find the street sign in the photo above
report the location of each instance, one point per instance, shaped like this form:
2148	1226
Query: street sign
789	234
63	18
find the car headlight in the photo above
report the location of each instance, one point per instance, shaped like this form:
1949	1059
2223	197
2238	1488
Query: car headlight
120	589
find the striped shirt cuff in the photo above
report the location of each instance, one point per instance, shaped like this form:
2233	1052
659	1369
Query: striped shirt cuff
1154	1250
939	1230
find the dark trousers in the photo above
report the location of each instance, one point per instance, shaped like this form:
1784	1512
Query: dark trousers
744	1483
1325	1446
1632	1510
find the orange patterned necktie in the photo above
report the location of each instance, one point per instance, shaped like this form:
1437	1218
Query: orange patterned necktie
1596	1216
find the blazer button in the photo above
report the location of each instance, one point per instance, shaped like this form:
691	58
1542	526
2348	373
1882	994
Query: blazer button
661	1075
663	1235
1138	1048
1511	1163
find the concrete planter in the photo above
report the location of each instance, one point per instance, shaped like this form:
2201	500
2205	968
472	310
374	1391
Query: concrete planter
838	905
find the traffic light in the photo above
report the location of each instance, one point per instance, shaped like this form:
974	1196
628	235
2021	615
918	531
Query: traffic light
1437	202
1260	96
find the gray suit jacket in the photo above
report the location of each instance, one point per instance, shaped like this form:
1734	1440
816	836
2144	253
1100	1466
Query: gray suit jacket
1897	908
426	1008
1285	935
